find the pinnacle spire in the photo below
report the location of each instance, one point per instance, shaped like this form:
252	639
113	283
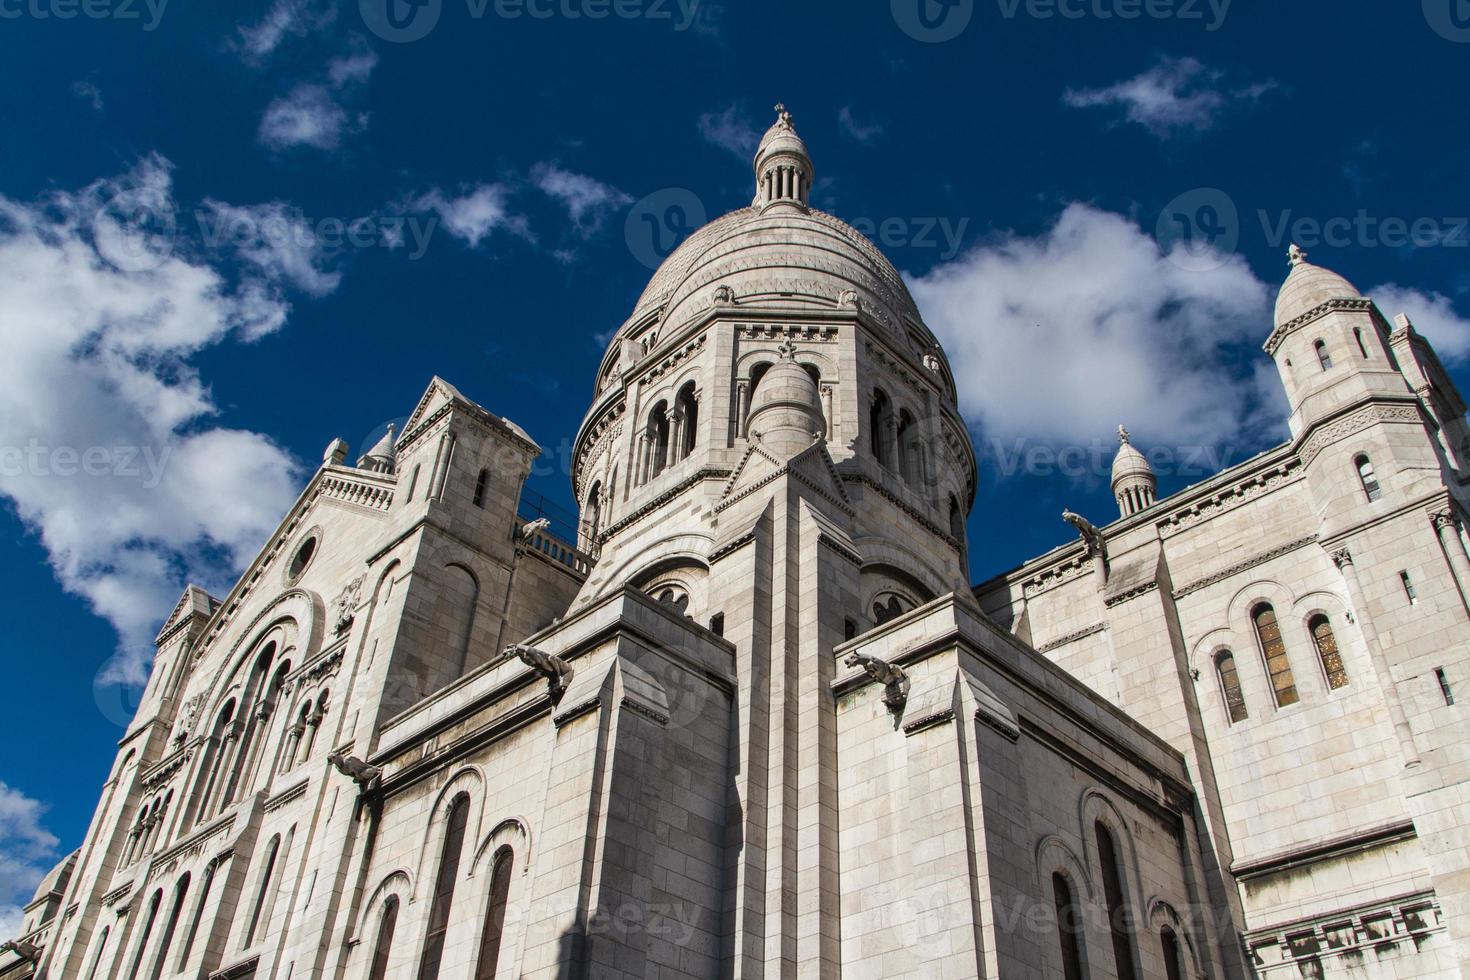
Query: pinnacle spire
783	167
1296	255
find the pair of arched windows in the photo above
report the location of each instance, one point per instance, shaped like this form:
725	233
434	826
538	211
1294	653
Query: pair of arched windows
491	933
232	757
1324	356
1120	920
1278	665
140	954
669	435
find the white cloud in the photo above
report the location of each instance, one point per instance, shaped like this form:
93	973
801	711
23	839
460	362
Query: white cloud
88	92
1433	315
588	201
274	238
352	69
865	133
286	18
1176	94
474	214
1061	337
731	131
107	451
308	116
27	852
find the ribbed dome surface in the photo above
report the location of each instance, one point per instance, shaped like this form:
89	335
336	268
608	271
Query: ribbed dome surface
1308	287
1130	463
781	256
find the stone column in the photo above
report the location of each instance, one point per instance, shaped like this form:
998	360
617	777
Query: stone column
1448	528
742	406
1343	559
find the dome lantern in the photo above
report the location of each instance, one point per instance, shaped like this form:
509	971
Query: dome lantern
783	167
1134	482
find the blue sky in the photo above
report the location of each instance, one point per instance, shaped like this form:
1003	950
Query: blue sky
232	232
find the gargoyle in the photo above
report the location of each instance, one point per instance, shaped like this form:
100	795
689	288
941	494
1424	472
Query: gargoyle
367	777
894	679
557	671
25	951
1097	546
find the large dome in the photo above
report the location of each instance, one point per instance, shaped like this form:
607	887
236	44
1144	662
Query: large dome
780	256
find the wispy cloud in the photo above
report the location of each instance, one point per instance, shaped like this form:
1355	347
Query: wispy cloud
286	18
588	201
27	852
730	130
88	92
865	133
475	213
1176	95
312	114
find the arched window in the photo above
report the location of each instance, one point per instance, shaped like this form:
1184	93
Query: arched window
254	713
907	461
1368	478
1362	346
1173	962
482	482
262	891
1273	649
1230	687
210	765
888	607
148	921
181	892
592	519
1324	357
462	600
956	519
756	374
196	919
413	482
1117	903
1069	927
494	929
656	441
97	957
383	948
879	416
686	409
459	815
673	596
1326	643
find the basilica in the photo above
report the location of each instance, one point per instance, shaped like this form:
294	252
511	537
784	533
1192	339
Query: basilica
756	722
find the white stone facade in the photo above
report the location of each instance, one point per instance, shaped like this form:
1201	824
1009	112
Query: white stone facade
757	724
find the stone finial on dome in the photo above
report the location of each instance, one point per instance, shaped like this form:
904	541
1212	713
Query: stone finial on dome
1296	255
783	167
1134	482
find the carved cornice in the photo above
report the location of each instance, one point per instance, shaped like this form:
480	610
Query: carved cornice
1323	435
1243	566
732	546
840	548
326	665
893	498
1081	634
1058	574
813	333
1133	593
356	491
286	797
1342	558
1228	498
164	770
1316	313
931	720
